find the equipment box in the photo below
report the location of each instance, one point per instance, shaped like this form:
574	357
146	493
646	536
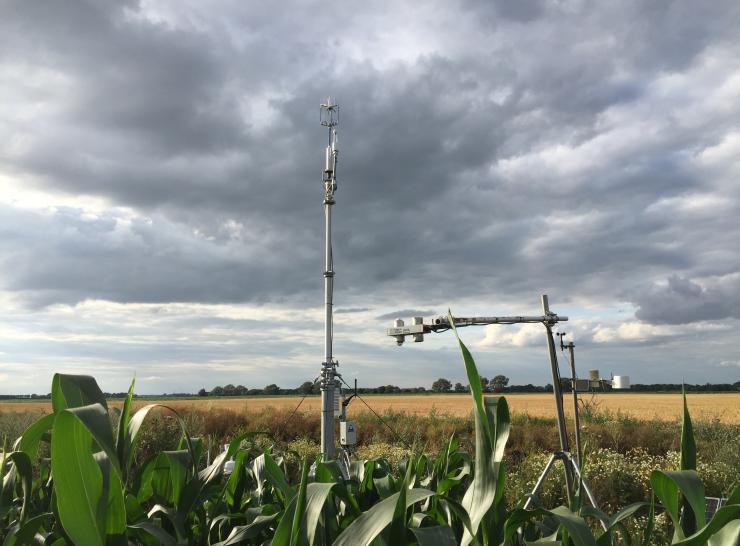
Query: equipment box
347	433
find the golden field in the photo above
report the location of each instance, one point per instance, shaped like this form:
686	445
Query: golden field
666	407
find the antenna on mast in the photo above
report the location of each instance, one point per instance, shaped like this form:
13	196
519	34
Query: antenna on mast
329	118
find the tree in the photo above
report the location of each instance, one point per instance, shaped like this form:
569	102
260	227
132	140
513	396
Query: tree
499	382
441	385
459	387
272	388
241	390
306	388
202	392
484	383
229	390
217	391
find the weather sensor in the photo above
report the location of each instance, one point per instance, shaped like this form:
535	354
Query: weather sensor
548	319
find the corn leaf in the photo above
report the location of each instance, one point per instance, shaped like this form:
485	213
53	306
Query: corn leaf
668	487
95	418
21	535
32	436
72	391
162	536
689	521
123	422
242	533
316	495
491	434
300	504
276	477
24	471
128	448
723	530
435	536
372	522
78	481
578	530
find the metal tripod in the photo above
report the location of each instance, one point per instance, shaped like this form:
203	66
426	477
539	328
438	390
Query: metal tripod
571	464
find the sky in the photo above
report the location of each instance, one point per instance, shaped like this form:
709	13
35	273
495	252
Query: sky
161	198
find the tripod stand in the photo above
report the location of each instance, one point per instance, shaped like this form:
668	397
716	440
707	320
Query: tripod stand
571	464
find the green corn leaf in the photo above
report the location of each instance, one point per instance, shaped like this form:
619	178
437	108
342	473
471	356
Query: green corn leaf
568	523
690	521
316	495
176	518
435	536
329	473
277	478
397	528
613	522
123	422
115	511
734	497
243	533
458	510
134	427
72	391
728	535
300	504
418	519
24	471
95	418
492	425
723	530
668	486
162	536
385	486
164	475
578	530
32	436
22	534
236	482
78	481
371	523
688	445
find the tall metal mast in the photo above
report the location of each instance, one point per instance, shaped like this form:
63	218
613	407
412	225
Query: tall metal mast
329	118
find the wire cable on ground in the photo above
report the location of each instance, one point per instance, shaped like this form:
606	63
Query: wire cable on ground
396	434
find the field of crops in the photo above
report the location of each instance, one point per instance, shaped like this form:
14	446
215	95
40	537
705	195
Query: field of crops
93	475
724	407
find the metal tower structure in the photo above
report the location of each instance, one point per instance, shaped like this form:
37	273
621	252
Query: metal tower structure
329	117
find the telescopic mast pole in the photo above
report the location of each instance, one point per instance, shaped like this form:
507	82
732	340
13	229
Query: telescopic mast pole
329	119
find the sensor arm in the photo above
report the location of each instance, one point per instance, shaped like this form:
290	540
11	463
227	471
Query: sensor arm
442	324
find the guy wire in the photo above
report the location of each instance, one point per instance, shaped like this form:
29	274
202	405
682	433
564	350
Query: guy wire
398	436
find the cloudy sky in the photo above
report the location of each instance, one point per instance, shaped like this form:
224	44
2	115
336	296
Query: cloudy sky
160	188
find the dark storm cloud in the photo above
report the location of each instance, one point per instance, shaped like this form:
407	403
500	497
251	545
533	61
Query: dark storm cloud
350	310
66	256
405	313
682	300
497	168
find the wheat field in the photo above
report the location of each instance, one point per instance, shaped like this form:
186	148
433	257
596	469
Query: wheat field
724	407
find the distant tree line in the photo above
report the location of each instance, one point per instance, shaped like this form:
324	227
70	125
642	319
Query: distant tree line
499	383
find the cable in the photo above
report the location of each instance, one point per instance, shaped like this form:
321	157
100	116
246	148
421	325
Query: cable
398	436
282	425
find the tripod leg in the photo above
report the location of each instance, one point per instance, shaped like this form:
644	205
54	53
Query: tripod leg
558	395
540	481
586	487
